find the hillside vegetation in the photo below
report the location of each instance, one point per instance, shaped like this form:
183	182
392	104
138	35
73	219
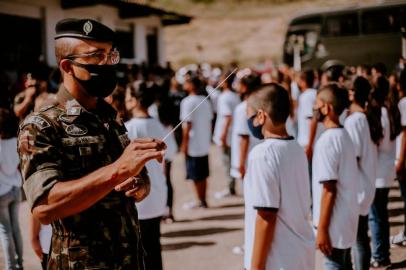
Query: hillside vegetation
246	31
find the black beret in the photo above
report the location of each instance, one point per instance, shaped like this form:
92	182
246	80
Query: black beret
84	29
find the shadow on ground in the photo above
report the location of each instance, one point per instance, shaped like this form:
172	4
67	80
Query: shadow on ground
186	245
214	218
199	232
395	212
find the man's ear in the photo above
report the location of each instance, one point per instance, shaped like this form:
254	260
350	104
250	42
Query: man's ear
66	66
325	109
261	117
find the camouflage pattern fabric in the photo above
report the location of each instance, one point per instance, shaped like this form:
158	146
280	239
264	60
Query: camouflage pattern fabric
63	142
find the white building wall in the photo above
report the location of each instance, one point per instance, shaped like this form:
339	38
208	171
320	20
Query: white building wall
105	14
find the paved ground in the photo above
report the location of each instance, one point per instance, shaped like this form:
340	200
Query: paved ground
204	239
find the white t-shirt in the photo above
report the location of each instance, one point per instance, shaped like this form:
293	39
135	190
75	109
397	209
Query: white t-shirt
304	114
45	236
154	204
10	175
172	146
334	159
226	103
200	133
277	178
402	109
240	128
386	171
366	152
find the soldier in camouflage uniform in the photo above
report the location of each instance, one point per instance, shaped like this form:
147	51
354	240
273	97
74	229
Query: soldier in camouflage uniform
78	164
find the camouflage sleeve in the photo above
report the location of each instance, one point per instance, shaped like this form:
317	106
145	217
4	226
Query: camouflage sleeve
40	159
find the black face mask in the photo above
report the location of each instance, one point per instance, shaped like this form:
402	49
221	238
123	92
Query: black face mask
318	115
102	82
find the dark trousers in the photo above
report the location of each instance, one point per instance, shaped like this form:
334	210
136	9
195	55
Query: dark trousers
44	262
402	185
340	259
150	235
379	225
168	167
362	250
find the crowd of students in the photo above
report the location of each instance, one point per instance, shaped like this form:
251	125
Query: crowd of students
318	152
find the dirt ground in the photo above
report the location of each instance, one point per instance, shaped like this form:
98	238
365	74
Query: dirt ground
204	239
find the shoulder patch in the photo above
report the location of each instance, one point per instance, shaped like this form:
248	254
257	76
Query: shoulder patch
76	130
36	120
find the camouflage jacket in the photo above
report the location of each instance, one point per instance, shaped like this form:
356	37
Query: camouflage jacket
63	142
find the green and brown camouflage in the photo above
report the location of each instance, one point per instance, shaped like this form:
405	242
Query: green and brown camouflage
62	142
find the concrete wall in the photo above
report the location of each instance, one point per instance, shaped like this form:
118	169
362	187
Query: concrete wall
51	12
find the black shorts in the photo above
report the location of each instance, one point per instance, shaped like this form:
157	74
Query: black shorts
197	168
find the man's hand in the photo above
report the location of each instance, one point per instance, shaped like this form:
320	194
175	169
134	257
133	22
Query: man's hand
184	148
36	246
223	140
137	187
399	167
309	152
323	242
242	171
136	155
30	92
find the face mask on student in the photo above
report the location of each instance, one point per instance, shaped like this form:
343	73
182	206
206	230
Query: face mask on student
318	115
102	82
256	131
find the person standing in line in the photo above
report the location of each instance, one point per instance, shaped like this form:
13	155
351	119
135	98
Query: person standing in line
400	238
276	223
226	103
10	192
305	121
242	141
335	182
386	173
196	139
365	129
139	97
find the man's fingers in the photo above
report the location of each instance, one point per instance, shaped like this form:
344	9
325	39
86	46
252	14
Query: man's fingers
127	184
151	154
132	192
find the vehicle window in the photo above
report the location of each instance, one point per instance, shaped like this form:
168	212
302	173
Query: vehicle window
307	20
341	25
381	21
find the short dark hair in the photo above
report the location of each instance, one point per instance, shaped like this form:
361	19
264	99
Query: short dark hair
8	124
144	92
380	67
274	100
252	82
402	81
337	98
362	88
308	76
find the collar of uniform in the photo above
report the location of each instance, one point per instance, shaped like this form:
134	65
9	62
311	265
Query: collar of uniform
74	108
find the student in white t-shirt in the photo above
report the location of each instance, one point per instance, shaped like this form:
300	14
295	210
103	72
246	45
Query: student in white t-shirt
386	173
335	182
196	138
10	193
139	97
242	141
278	234
400	238
305	121
226	103
366	133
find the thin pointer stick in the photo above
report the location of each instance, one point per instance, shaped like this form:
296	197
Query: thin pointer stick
198	105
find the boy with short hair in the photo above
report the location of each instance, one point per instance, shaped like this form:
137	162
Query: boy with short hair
276	187
335	182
